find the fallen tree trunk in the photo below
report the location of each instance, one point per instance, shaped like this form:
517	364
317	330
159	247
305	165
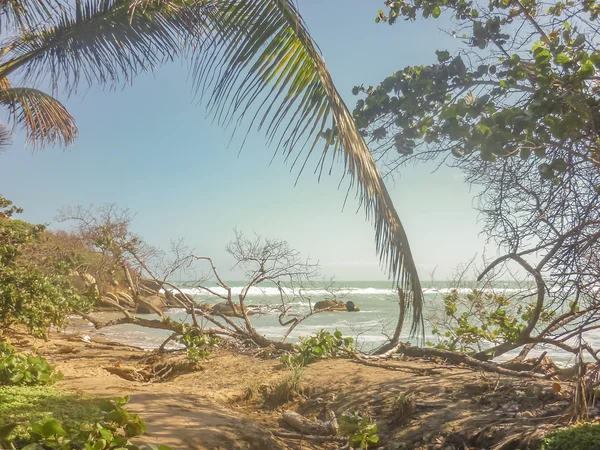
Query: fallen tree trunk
312	427
306	426
374	362
308	437
461	358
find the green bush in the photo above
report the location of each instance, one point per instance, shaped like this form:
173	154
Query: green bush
21	369
197	345
113	431
585	436
30	296
38	301
322	345
471	320
360	430
21	405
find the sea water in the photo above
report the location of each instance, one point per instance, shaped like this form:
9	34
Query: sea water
377	300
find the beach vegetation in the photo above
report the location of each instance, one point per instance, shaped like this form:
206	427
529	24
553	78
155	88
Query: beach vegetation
323	344
403	407
472	320
361	430
583	436
197	345
22	369
22	405
511	103
114	429
37	296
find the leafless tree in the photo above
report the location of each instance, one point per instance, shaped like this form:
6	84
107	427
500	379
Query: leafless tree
265	262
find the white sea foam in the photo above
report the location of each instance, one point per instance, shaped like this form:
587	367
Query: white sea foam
343	291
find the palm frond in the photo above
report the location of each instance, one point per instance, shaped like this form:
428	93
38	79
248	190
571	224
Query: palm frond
258	60
5	137
18	14
95	42
44	118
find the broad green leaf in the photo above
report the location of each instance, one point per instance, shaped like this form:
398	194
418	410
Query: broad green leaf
53	427
562	59
587	69
6	430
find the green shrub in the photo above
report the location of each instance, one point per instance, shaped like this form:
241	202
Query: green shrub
38	301
471	320
585	436
197	345
113	431
21	405
322	345
360	430
21	369
30	296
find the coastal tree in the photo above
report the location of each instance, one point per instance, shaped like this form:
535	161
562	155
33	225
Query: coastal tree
253	61
515	107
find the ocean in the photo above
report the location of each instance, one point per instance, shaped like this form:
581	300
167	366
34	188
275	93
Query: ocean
377	300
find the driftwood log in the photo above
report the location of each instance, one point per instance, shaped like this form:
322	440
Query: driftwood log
312	427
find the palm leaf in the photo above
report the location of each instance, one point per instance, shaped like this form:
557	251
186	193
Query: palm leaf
45	120
95	42
258	60
5	137
16	14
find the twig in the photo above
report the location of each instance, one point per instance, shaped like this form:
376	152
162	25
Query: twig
308	437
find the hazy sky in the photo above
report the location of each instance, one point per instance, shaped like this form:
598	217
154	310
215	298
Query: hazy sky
150	148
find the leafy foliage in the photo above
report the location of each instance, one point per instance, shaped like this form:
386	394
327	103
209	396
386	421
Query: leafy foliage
7	209
481	317
36	300
21	369
29	296
22	405
523	86
322	345
584	436
360	430
513	102
113	431
197	345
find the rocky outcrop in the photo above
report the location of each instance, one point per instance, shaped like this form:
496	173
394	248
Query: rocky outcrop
83	282
175	300
122	297
335	305
149	303
152	285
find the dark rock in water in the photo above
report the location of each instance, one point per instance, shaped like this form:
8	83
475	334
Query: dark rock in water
335	305
155	300
350	306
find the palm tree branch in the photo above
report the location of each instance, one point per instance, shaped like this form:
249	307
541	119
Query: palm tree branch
97	41
259	59
44	118
20	14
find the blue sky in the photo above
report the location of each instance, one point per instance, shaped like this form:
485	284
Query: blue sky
149	147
